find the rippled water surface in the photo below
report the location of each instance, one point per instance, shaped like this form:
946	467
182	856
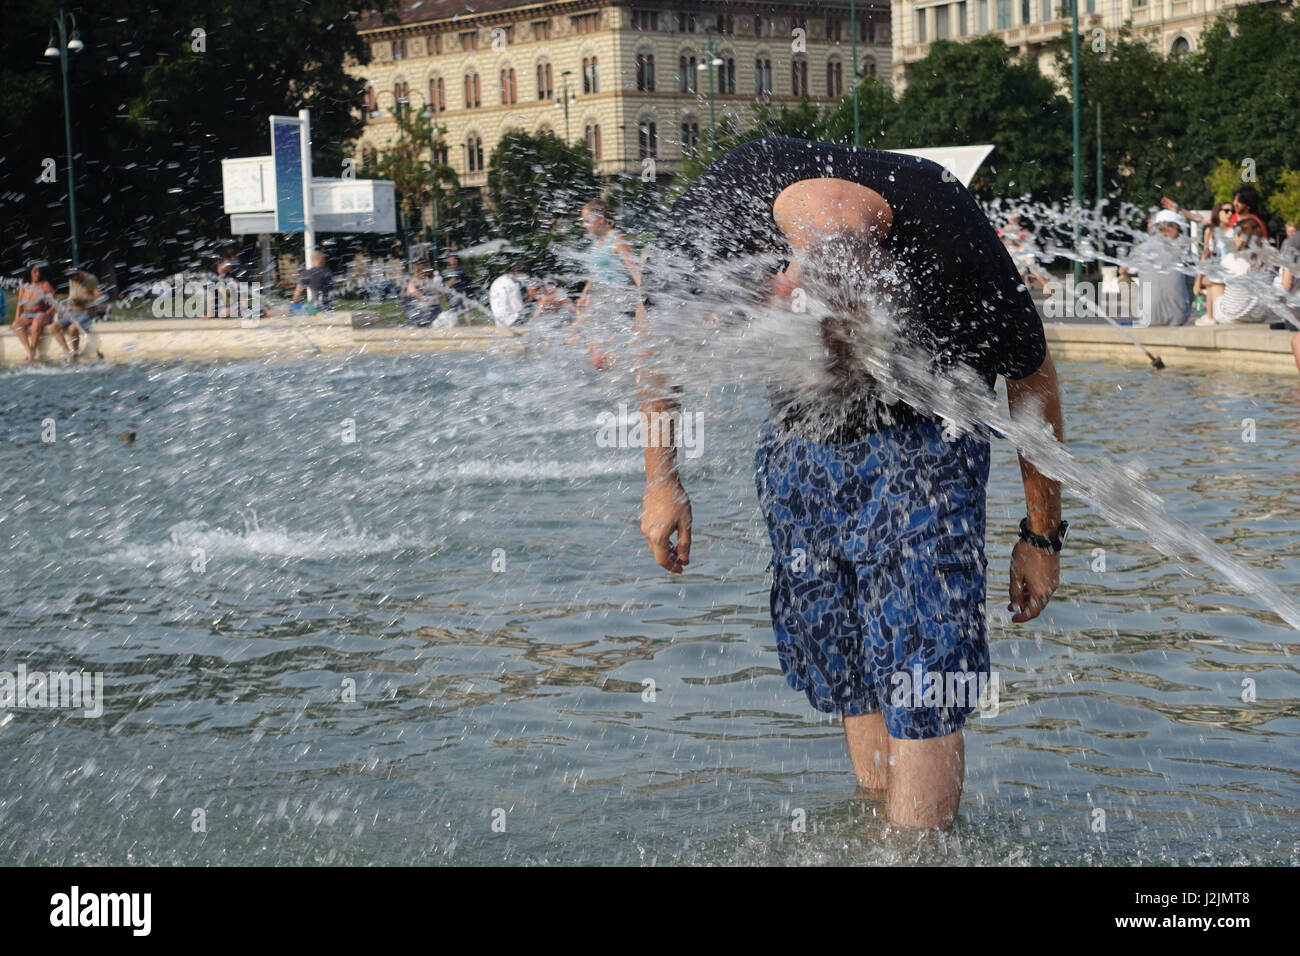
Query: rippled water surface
472	564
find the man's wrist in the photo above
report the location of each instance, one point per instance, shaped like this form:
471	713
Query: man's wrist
1053	541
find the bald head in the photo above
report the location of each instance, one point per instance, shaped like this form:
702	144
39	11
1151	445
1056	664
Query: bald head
814	209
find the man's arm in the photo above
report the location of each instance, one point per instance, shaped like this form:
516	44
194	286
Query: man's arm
665	507
1036	572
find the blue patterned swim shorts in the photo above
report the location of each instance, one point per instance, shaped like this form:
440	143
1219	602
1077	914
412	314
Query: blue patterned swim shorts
878	571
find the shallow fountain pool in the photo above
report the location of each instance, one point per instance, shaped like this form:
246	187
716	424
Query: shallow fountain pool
469	568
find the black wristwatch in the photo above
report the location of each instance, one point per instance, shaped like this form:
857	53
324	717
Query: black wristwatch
1054	543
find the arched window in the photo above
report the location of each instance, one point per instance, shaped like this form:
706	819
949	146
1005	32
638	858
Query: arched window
1180	48
690	135
545	88
726	80
647	139
869	66
590	75
473	92
799	77
509	90
371	101
593	140
763	74
645	71
834	78
402	96
686	70
437	94
474	153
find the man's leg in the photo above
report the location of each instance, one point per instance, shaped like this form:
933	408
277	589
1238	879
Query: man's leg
925	781
56	329
869	749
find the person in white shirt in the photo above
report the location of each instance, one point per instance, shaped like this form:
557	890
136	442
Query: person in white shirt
506	297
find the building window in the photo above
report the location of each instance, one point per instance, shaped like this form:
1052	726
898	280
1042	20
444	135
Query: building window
961	18
372	101
545	88
399	49
941	22
686	22
593	140
984	16
834	78
1045	10
585	22
590	75
799	78
727	75
541	29
799	23
763	26
690	136
474	153
763	76
402	96
1180	48
473	97
869	66
434	44
1004	14
686	70
866	30
645	72
1024	12
920	26
726	24
833	29
509	89
1092	6
647	20
437	95
647	140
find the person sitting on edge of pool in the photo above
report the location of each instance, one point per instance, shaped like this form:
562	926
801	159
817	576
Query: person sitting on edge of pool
876	511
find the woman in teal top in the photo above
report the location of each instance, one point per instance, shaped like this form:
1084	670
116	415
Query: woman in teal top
614	276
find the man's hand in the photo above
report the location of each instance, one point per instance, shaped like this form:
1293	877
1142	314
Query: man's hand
1035	576
665	511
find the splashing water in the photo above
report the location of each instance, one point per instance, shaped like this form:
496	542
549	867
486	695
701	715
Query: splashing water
717	327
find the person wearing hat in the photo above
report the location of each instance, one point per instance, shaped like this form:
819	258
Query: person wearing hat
1166	297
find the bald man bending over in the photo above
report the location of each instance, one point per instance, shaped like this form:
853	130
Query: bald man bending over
876	516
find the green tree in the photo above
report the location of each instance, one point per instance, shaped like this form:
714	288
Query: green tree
155	108
1245	98
877	112
1223	180
1284	201
536	185
975	92
413	163
1143	98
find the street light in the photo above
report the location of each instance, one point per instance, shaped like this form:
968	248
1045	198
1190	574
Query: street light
565	103
710	61
61	53
853	29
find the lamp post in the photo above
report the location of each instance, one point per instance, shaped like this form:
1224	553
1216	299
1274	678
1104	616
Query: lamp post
853	29
61	52
1074	111
709	63
565	95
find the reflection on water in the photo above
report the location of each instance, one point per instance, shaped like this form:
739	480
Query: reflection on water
305	638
